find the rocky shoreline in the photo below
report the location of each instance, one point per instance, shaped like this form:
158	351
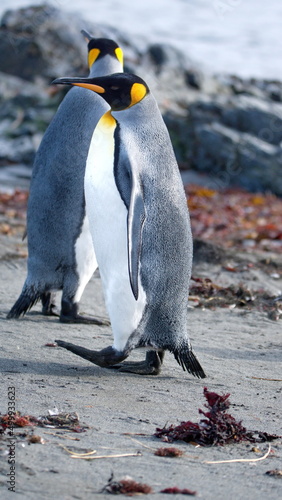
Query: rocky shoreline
226	131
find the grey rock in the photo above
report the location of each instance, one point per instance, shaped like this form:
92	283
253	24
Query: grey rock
259	117
233	158
224	129
17	150
26	37
235	139
15	176
25	112
42	40
164	57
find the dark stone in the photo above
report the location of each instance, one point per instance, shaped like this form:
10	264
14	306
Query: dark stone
44	41
192	79
23	56
235	139
158	54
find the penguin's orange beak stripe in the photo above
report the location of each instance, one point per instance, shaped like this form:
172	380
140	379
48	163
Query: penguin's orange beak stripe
95	88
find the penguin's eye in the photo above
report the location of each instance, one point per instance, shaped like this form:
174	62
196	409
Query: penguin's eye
114	87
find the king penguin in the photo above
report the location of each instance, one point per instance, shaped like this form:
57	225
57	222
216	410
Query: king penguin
140	226
60	249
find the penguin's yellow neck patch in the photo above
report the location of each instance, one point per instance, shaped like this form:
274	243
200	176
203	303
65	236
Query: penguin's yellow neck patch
119	55
107	120
92	56
137	93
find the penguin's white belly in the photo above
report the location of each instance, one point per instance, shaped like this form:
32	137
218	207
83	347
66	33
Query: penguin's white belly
85	258
107	215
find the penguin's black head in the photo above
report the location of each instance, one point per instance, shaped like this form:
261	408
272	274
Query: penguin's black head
120	91
100	47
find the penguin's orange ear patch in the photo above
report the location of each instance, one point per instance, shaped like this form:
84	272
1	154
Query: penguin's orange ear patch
92	56
119	55
137	93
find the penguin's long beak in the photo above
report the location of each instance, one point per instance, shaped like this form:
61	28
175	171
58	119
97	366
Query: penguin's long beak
86	35
80	82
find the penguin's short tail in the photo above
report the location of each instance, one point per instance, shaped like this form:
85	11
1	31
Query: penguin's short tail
187	359
26	300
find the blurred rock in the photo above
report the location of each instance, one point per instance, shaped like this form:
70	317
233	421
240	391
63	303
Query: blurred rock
45	41
237	159
224	129
17	150
236	139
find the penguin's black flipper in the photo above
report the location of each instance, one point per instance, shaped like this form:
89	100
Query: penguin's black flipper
26	300
187	359
135	221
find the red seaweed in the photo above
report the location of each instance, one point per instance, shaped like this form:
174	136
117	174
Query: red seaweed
61	420
126	486
17	420
218	428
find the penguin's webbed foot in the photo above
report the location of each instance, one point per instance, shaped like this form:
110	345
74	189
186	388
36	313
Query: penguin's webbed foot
104	358
150	366
70	314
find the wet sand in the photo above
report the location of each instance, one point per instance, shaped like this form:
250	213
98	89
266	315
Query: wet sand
239	350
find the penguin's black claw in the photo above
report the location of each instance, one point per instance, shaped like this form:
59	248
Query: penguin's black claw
150	366
86	320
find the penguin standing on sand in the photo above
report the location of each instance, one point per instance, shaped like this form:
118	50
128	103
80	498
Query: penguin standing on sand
139	221
60	249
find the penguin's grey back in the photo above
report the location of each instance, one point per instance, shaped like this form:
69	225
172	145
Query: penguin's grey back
56	206
56	194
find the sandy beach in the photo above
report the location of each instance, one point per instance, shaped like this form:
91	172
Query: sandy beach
240	351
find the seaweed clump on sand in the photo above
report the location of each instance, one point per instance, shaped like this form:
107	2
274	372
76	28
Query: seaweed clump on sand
216	429
126	486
